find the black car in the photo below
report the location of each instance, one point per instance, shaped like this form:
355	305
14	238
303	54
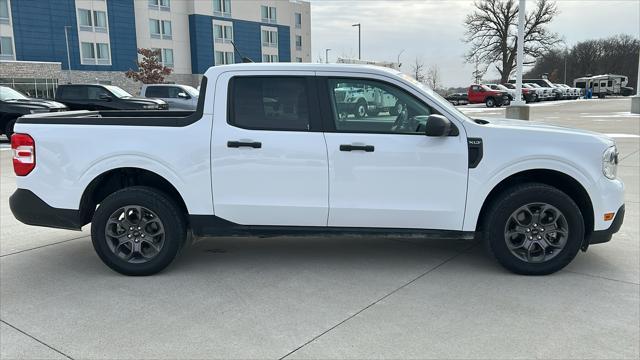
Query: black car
104	97
458	98
14	104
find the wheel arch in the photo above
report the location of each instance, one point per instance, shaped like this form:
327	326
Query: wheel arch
115	179
560	180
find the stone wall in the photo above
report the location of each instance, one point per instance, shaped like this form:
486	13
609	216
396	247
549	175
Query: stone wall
42	70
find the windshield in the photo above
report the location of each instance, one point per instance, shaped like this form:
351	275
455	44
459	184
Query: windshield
501	87
535	85
117	91
7	93
191	90
439	99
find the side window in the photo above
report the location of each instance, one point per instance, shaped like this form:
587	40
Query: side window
174	91
269	103
376	107
73	92
156	91
95	92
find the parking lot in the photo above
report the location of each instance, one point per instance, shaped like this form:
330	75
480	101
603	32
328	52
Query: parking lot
333	297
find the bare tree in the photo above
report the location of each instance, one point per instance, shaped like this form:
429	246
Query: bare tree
150	69
417	70
433	77
493	35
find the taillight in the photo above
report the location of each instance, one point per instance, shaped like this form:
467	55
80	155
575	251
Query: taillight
24	154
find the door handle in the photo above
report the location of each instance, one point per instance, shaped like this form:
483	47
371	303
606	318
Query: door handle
366	148
238	144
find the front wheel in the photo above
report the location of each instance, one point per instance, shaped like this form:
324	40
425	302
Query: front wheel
534	229
138	231
361	109
490	102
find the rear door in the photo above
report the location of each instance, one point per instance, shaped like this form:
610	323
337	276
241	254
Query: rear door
269	157
384	172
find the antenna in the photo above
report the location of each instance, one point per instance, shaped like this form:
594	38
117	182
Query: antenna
244	58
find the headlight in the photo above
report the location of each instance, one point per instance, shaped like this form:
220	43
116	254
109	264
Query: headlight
150	107
610	162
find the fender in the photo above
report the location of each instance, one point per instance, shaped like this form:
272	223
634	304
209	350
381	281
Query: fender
478	190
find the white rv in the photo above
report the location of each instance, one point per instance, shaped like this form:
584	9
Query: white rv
603	85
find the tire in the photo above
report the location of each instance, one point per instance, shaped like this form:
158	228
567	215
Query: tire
8	128
490	102
506	102
499	222
165	212
361	109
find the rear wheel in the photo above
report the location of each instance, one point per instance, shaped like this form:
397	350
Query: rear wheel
534	229
361	109
138	231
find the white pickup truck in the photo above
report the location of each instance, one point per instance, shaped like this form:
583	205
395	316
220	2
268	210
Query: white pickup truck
266	152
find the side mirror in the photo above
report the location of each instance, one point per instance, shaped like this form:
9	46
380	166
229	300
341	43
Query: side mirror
105	97
182	95
438	125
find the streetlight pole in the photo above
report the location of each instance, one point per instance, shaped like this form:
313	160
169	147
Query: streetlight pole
635	100
326	55
565	65
359	41
400	53
66	38
519	109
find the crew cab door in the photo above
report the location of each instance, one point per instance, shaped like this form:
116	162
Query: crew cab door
269	158
384	172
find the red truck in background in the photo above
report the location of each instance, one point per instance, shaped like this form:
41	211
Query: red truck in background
483	94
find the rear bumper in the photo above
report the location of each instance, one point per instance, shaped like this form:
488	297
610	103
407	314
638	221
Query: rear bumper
28	208
602	236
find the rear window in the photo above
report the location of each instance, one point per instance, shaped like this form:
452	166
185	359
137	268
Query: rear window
157	91
72	92
269	103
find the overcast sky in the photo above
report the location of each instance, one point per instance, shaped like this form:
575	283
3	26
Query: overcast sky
433	29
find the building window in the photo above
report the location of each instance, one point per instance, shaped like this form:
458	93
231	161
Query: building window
95	53
270	58
298	20
223	33
97	22
268	14
298	42
100	21
222	8
164	5
38	88
298	59
167	57
4	11
270	38
6	48
160	29
224	57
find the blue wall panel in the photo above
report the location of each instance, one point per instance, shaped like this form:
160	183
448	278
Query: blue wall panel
201	41
38	28
284	44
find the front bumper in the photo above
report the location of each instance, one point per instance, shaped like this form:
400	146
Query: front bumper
28	208
602	236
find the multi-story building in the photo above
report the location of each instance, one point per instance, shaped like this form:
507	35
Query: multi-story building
43	42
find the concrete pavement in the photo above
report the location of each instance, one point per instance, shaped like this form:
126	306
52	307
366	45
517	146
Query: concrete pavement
327	297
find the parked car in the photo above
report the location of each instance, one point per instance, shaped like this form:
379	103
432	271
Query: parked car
458	98
104	97
268	152
14	104
499	87
528	94
556	93
478	94
545	93
573	93
178	97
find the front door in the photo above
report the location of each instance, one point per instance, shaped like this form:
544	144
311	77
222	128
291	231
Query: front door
269	157
385	173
